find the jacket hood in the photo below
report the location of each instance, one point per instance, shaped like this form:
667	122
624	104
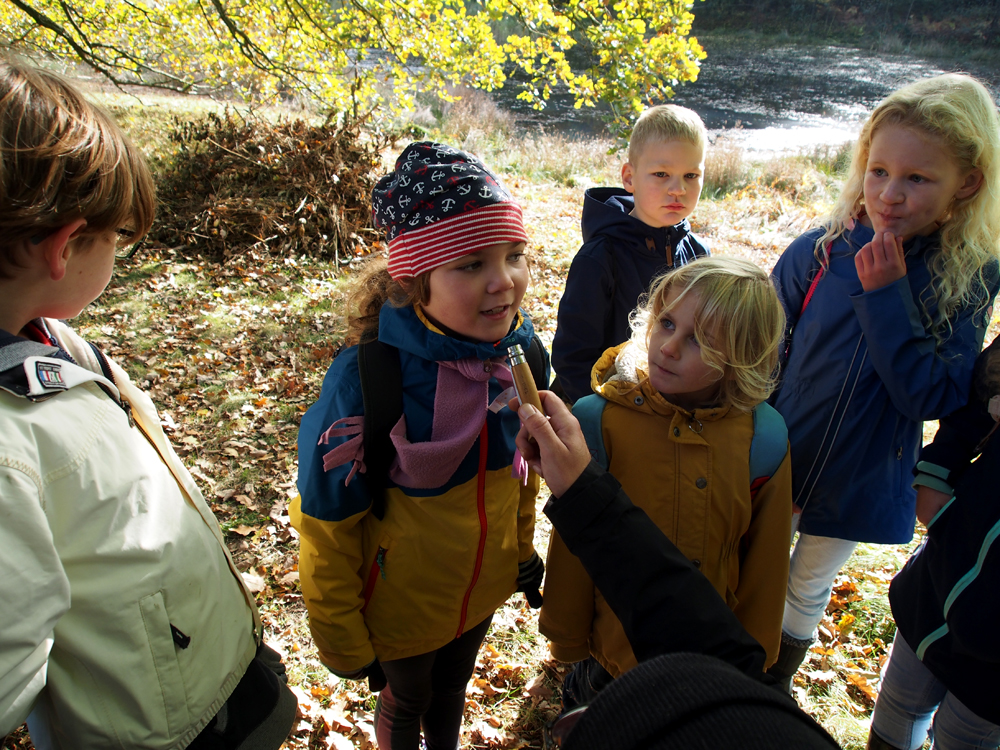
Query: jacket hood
410	331
606	212
621	376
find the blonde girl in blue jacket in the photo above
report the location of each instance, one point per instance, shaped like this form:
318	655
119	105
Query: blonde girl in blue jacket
406	598
887	307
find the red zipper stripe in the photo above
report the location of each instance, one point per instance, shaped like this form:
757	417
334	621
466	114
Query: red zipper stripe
372	580
481	503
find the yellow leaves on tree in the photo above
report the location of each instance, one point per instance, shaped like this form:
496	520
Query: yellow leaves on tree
343	53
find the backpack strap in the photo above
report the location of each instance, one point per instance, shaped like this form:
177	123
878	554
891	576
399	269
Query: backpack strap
589	411
538	359
382	392
815	281
768	445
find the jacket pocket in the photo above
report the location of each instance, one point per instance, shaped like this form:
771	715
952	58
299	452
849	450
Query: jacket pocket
163	650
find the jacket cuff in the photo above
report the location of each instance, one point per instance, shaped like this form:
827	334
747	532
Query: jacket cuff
927	474
583	501
929	480
569	653
343	665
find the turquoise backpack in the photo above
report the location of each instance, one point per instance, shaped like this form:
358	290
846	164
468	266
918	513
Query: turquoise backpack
767	447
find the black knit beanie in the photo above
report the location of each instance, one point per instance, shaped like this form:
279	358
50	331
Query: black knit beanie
690	701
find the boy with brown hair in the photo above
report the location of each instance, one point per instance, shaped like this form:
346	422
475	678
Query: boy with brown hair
631	235
124	622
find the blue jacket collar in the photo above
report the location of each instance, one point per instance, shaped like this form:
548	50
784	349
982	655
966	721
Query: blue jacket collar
403	329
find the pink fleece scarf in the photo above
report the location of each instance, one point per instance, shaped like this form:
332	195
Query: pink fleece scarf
460	404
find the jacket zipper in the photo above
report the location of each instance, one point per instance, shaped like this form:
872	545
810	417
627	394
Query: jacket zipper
481	505
378	567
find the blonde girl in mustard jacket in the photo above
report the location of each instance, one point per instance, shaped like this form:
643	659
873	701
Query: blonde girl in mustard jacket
677	429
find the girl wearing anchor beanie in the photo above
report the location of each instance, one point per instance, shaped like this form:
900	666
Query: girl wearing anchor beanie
401	573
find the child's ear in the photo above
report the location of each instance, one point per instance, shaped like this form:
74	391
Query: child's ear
973	181
628	174
57	247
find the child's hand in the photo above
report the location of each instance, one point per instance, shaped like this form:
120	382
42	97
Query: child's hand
929	502
561	453
881	262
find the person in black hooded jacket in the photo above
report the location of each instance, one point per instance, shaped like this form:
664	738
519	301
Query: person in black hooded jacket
943	676
631	236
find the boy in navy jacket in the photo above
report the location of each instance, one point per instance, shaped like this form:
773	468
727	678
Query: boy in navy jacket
630	236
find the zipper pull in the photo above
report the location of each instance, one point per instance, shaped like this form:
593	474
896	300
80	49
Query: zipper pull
380	560
488	365
127	408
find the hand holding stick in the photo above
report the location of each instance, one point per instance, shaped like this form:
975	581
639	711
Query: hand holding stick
555	447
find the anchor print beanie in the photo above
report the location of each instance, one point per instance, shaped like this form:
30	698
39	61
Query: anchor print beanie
439	204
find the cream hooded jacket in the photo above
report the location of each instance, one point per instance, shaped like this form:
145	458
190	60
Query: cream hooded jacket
123	622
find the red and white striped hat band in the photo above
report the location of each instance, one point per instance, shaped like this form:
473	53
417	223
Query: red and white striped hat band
420	250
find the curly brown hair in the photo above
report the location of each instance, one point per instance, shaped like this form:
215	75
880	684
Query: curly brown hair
372	289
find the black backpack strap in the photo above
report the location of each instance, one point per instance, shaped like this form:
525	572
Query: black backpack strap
538	360
382	391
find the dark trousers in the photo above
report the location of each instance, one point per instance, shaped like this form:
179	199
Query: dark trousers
428	691
259	714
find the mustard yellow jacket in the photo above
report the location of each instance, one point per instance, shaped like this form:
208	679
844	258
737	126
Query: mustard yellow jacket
691	474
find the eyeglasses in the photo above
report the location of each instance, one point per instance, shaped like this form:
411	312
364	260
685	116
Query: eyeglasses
125	246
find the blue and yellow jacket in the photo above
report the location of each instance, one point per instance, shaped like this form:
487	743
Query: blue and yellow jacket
441	560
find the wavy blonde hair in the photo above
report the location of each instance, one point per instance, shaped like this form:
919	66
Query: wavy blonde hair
957	110
739	323
61	159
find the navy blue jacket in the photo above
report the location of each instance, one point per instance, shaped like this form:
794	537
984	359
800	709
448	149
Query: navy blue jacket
620	257
945	599
862	374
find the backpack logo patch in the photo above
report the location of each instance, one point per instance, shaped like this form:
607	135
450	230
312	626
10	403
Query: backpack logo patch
50	376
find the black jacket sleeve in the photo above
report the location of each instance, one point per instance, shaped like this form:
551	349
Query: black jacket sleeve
663	602
959	437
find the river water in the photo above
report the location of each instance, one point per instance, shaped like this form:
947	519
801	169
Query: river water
771	99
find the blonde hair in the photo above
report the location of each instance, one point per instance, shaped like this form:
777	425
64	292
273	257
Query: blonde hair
666	122
958	110
739	323
61	159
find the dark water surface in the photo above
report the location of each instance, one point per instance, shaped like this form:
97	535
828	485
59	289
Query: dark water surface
776	98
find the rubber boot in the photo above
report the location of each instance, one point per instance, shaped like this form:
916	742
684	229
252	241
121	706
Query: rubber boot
877	743
790	657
